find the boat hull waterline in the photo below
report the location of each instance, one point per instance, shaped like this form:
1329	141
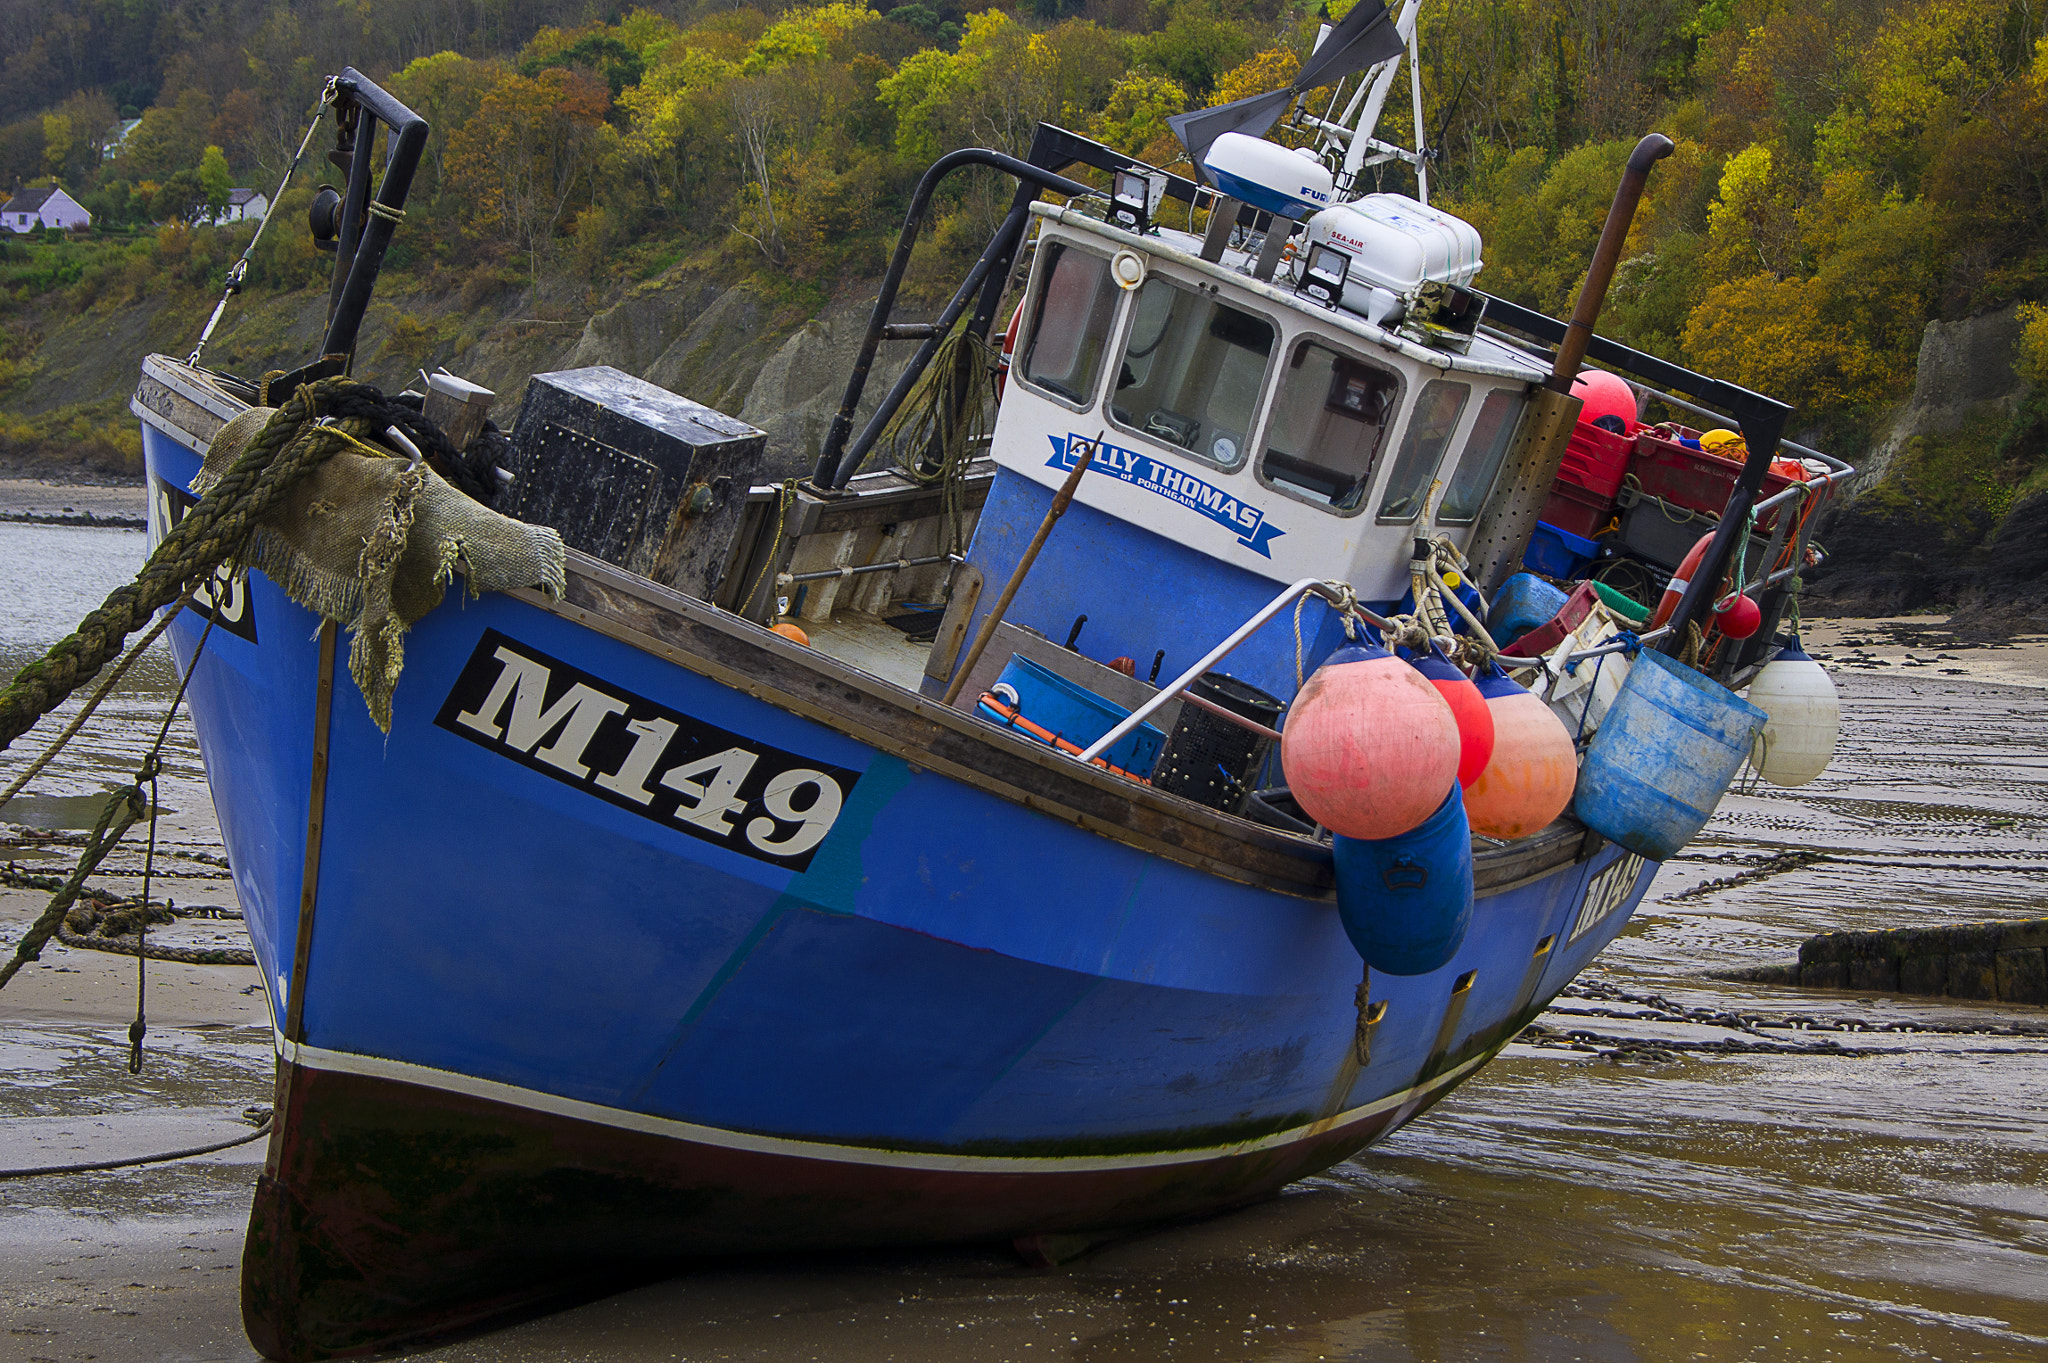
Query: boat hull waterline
564	1003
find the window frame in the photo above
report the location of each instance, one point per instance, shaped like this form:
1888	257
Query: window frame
1041	279
1215	294
1514	433
1329	342
1467	415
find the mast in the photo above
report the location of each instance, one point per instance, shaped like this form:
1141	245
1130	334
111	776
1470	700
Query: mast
1356	131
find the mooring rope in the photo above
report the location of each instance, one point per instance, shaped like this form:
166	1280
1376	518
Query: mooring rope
290	445
96	1166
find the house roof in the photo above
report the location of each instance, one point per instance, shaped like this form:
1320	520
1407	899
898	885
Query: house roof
242	196
27	201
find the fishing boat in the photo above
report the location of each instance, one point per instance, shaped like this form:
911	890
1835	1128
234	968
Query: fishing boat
672	902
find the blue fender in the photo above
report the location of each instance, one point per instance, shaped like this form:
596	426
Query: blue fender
1407	901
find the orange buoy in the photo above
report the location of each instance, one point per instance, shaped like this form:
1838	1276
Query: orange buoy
789	630
1680	580
1370	748
1534	769
1469	708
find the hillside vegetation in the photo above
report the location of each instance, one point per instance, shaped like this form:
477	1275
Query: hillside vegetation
1846	172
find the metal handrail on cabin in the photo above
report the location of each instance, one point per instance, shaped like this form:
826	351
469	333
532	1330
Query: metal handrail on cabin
1336	593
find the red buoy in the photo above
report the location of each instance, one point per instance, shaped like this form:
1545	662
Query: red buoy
1740	618
1468	707
1605	394
1370	749
1534	769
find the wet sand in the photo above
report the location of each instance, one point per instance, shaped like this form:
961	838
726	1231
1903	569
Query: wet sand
1581	1198
31	499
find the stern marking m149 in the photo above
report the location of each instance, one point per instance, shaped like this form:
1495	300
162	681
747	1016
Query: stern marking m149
642	756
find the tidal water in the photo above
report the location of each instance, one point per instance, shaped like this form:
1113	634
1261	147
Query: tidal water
1606	1191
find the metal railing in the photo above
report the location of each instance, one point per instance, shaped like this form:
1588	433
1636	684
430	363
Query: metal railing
1338	594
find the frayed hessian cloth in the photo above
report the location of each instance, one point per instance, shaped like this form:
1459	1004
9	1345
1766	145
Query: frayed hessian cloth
371	542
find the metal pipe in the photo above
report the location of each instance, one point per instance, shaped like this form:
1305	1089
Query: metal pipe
1012	228
1061	500
1760	433
1328	591
408	142
887	566
1415	91
1653	148
1233	716
885	301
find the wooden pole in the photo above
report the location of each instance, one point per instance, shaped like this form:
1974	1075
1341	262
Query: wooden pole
1060	502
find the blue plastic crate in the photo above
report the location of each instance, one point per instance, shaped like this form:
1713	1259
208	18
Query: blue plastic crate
1558	553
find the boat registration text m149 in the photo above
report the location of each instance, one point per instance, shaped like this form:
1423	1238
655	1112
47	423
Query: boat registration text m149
1605	893
642	756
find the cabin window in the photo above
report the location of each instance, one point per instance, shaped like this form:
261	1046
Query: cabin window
1191	371
1493	430
1070	325
1430	428
1328	422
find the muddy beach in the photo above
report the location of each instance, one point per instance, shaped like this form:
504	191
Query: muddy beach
1670	1166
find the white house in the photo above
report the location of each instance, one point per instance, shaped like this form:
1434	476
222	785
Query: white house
244	203
31	209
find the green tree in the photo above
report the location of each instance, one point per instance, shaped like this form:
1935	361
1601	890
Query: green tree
215	181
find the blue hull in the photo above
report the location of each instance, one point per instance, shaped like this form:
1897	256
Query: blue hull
994	1000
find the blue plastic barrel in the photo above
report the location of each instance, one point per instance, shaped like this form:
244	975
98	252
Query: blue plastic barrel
1524	602
1406	902
1663	758
1076	714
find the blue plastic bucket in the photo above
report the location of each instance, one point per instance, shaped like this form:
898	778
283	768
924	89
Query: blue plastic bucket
1664	756
1406	902
1524	602
1076	714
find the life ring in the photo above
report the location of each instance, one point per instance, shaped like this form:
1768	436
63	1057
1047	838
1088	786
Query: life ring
1680	580
1009	349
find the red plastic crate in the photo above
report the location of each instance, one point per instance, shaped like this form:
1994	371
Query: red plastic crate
1580	510
1595	459
1697	480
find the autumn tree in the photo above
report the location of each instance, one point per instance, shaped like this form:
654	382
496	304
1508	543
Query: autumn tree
526	155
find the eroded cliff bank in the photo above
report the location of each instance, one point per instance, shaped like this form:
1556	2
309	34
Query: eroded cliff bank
1950	508
777	363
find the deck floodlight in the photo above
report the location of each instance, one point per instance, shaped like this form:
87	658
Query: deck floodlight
1322	278
1131	201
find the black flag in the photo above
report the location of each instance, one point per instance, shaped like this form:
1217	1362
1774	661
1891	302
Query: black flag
1365	38
1250	116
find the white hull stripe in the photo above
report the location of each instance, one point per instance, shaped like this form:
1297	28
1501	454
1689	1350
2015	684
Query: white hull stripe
372	1067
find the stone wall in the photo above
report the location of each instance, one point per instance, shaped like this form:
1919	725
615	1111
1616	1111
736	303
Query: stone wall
2003	962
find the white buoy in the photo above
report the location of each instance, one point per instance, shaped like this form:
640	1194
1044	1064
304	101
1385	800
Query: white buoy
1805	717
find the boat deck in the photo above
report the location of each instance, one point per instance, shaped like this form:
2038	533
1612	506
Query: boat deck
871	644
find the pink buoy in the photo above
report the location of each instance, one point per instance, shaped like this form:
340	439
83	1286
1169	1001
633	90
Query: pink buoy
1469	708
1534	769
1605	394
1370	749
